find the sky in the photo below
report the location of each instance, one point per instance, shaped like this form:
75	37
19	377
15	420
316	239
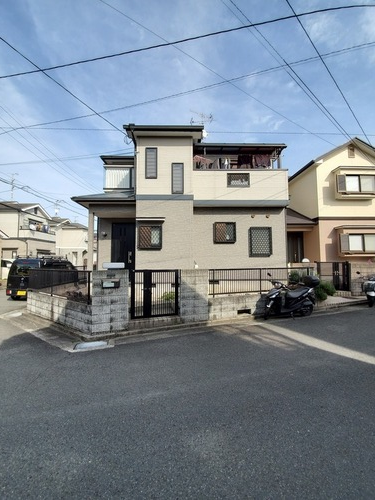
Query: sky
73	72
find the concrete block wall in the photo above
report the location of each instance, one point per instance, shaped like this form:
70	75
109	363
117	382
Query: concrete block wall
194	295
74	315
107	314
357	279
110	306
232	306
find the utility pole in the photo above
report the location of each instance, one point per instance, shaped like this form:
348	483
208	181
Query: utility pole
12	186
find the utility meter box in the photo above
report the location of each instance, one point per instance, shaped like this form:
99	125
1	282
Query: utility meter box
111	283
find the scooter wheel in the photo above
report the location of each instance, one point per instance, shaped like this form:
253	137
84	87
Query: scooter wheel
370	302
307	310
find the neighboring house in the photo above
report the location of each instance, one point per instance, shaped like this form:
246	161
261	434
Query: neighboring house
181	203
336	195
25	230
71	240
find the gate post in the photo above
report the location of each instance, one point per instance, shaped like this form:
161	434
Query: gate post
194	295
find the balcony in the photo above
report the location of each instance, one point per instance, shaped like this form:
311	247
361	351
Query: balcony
37	231
239	175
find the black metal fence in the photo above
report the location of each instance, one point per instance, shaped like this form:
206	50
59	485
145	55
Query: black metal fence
247	280
154	293
338	273
71	283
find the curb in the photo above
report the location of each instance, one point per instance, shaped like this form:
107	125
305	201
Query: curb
69	341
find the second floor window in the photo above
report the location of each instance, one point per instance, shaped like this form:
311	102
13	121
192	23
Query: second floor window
238	179
357	243
151	168
177	178
356	183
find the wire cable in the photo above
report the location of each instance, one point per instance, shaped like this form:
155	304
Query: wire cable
62	86
184	40
329	72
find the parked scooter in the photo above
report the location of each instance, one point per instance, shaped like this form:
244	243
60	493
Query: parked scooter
368	286
284	300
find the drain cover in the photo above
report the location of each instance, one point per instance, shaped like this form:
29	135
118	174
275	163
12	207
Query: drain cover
87	346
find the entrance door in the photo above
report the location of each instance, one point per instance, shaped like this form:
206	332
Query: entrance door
295	247
123	244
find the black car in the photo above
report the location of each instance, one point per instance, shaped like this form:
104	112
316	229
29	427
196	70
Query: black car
19	273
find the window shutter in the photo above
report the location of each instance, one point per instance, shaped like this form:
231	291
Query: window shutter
344	243
177	178
151	163
341	184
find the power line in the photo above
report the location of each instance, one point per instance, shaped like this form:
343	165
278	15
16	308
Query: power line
329	72
73	176
176	42
70	158
295	77
62	86
199	89
28	189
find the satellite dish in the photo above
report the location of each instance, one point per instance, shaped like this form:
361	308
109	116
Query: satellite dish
204	134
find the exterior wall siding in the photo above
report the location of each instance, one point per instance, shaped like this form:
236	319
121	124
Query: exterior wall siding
265	186
210	255
177	234
169	150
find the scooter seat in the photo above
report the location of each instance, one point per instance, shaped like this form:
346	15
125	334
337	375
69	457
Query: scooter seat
294	294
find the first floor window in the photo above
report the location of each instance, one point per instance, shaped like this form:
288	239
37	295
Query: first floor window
360	243
224	232
260	241
149	237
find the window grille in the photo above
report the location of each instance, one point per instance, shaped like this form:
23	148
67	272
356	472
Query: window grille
238	179
149	237
224	232
260	241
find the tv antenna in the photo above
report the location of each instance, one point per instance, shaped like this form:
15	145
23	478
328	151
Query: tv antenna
203	119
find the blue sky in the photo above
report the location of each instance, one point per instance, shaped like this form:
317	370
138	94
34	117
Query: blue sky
307	82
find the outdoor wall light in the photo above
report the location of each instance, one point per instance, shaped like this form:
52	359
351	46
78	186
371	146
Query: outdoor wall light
104	234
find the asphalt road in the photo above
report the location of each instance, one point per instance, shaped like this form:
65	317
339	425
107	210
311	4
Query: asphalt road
282	409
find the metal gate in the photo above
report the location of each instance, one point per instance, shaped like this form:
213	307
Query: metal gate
154	293
338	273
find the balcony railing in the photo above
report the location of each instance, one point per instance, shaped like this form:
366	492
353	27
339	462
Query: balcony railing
232	162
37	228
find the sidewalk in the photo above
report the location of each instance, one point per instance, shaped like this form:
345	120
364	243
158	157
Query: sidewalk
338	301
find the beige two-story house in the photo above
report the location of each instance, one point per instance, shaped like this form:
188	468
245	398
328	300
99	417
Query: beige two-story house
336	195
26	230
182	203
71	240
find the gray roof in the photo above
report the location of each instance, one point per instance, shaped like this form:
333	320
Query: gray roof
110	197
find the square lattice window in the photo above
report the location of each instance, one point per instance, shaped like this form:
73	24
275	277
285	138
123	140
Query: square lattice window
149	237
224	232
260	241
238	179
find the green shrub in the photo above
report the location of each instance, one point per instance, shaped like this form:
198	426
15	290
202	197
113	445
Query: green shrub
294	276
324	289
168	296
